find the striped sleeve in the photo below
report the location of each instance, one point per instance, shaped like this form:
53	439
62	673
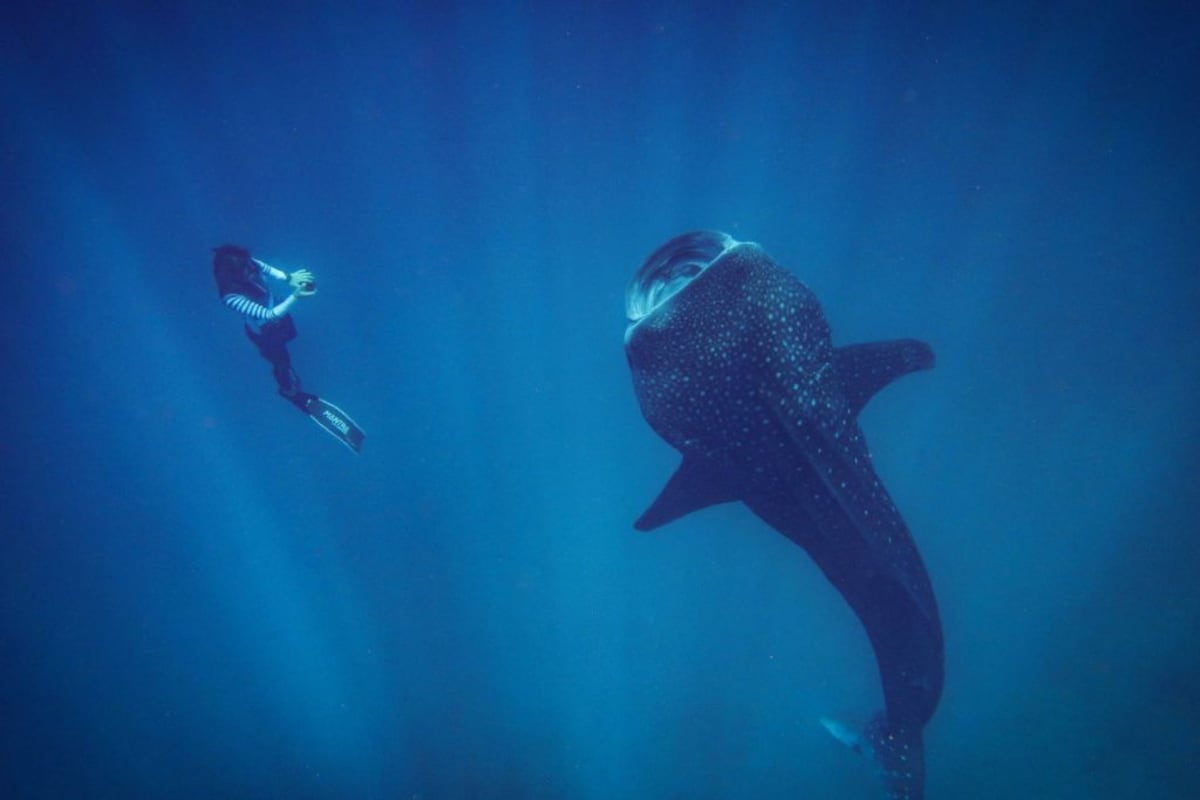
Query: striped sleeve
250	309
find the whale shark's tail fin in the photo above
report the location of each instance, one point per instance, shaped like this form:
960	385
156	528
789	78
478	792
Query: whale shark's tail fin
898	751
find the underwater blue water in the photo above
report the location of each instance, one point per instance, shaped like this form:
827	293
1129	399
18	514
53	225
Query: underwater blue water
202	595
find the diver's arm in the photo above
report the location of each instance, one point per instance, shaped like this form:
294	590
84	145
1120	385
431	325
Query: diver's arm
248	308
301	280
274	272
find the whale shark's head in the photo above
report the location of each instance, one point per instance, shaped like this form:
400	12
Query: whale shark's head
672	267
716	327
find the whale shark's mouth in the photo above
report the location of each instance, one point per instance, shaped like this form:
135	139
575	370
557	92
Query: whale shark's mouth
672	267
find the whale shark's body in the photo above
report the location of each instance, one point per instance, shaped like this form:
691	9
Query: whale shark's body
733	365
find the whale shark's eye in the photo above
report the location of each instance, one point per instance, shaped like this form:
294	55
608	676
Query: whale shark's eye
672	267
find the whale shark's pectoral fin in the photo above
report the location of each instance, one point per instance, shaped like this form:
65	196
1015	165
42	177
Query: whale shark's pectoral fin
698	483
864	369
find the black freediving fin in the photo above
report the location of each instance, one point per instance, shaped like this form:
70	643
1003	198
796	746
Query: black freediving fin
698	483
866	368
336	422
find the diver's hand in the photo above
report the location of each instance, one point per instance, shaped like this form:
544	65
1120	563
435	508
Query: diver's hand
303	282
300	277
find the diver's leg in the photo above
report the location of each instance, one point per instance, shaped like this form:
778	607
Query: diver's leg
272	345
289	380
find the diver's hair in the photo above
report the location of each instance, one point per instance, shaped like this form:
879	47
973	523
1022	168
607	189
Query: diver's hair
236	273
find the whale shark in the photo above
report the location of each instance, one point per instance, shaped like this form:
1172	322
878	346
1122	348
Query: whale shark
733	365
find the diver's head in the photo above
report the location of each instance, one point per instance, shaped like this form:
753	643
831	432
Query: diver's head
232	268
229	255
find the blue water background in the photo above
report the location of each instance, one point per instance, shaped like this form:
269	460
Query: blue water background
202	595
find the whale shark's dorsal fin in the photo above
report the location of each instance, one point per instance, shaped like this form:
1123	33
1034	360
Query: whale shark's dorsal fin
698	483
864	369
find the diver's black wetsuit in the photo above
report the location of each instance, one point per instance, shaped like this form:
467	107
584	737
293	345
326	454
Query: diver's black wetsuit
271	340
270	327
